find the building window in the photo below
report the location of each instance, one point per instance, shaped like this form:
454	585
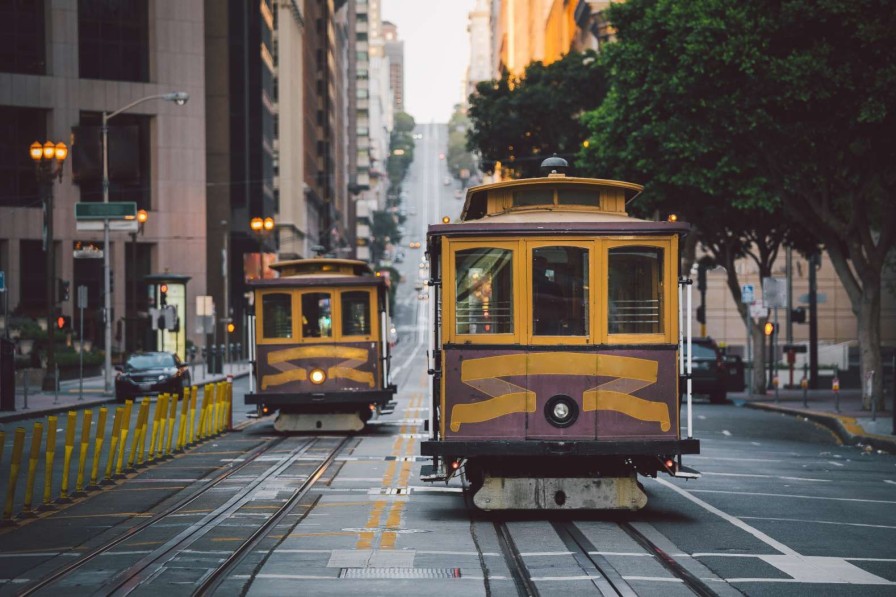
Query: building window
22	39
19	128
113	40
129	158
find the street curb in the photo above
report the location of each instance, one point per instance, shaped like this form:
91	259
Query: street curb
845	428
36	414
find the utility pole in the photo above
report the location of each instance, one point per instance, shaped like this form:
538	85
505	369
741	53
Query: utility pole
814	264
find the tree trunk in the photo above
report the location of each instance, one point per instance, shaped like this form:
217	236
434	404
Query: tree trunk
868	324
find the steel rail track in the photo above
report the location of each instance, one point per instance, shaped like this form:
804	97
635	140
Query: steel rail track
181	503
518	571
148	567
214	580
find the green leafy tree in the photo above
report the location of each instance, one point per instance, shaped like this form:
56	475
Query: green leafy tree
520	121
401	149
762	122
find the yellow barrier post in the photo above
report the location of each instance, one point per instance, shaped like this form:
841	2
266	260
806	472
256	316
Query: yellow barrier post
113	445
37	434
182	428
229	389
70	425
193	392
137	440
123	439
163	424
155	428
82	460
18	445
141	449
98	448
172	419
135	437
48	464
219	407
203	413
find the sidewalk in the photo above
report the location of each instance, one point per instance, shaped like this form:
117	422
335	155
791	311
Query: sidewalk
42	403
852	424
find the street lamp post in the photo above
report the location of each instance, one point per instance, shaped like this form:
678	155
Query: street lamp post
48	161
142	217
261	227
179	98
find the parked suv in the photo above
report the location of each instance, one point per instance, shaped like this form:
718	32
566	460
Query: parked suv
709	371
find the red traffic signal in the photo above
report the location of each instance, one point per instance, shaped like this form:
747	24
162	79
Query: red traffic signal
63	322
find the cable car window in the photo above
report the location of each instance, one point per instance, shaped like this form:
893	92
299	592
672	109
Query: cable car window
531	197
574	196
276	313
355	313
559	291
635	290
317	320
484	291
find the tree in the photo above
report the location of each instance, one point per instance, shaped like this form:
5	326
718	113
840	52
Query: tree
401	149
520	121
758	112
460	160
669	121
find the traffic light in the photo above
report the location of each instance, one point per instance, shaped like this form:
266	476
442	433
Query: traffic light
163	294
701	314
63	322
798	315
231	328
62	292
769	329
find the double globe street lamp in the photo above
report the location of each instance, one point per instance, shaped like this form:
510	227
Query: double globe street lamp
48	159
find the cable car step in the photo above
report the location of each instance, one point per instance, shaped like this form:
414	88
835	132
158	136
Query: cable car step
686	472
429	474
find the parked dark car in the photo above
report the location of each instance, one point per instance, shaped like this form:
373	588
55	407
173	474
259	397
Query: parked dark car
150	373
709	370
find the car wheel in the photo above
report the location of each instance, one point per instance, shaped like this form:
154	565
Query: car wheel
718	396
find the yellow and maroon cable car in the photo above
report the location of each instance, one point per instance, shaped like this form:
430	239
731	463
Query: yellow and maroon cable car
321	347
556	353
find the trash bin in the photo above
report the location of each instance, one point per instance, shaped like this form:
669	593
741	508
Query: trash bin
7	374
734	373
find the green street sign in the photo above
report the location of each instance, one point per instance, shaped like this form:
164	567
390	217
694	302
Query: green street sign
114	210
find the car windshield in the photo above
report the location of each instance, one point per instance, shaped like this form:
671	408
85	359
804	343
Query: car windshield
703	352
150	361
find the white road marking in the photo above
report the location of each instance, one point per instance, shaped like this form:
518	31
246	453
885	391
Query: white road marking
545	553
831	522
889	481
836	463
726	433
796	496
758	476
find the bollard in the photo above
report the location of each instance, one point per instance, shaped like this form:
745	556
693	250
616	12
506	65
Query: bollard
775	385
123	438
113	444
835	386
203	412
135	438
82	459
98	448
155	428
182	428
193	392
18	446
36	437
72	421
163	424
228	397
48	464
172	419
141	449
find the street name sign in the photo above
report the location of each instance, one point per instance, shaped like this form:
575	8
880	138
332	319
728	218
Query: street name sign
113	210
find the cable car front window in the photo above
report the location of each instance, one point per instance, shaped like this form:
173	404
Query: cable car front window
317	318
635	290
559	291
356	313
276	315
484	291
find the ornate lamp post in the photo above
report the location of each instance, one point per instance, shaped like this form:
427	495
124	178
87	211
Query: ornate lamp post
180	98
48	161
261	227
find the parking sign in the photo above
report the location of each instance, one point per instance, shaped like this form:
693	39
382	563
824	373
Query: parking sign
747	294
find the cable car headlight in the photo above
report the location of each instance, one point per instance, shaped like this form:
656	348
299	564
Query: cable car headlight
317	376
561	411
